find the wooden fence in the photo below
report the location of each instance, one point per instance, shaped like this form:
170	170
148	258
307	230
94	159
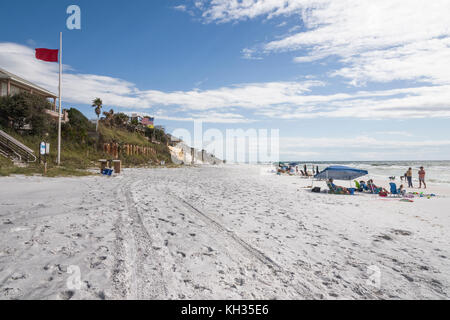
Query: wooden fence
115	150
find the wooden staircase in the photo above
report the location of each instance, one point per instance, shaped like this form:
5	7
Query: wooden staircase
15	150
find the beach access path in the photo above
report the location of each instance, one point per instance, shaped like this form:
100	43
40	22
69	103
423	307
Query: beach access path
227	232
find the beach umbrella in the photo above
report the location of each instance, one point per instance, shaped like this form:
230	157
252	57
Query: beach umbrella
340	173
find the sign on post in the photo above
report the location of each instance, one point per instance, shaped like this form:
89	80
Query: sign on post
43	148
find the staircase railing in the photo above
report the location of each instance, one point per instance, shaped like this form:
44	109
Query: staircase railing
12	146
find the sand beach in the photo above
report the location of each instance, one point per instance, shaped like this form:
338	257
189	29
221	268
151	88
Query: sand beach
222	232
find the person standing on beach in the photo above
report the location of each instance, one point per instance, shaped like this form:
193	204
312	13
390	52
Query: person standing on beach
409	177
422	178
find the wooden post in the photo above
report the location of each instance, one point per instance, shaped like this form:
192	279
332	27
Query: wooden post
45	164
117	166
103	164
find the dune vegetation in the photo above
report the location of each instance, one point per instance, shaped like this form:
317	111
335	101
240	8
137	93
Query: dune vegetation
23	117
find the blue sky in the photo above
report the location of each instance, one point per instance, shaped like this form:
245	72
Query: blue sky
341	81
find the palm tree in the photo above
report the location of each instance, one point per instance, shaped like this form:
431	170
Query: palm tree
109	117
97	104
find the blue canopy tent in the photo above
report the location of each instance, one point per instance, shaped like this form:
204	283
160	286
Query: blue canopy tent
340	173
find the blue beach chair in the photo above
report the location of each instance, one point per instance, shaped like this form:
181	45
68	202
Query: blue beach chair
394	189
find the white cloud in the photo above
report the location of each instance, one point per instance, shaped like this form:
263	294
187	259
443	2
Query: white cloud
380	41
358	142
361	147
395	133
249	54
180	8
77	88
248	96
273	100
205	117
425	61
420	102
229	10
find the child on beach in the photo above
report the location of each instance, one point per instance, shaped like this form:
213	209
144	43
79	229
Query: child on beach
422	178
402	190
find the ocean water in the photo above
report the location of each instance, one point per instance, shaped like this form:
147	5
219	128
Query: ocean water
437	171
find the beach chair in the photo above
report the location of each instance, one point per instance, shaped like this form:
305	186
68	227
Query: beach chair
333	190
339	190
359	187
394	191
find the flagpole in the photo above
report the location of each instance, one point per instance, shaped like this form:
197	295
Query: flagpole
60	104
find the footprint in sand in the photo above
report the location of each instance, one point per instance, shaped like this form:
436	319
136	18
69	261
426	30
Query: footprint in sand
401	232
67	295
385	237
18	276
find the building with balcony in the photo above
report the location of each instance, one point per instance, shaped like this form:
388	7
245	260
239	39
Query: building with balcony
10	85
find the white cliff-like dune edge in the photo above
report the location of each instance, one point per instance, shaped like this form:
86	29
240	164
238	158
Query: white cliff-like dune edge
227	232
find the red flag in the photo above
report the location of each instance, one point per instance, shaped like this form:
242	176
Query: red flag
48	55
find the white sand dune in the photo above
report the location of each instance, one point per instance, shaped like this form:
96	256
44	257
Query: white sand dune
231	232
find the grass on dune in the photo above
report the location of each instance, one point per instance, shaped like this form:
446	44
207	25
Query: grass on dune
123	136
82	145
77	156
5	163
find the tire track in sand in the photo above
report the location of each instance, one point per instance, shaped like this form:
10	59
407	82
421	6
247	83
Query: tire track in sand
148	274
286	277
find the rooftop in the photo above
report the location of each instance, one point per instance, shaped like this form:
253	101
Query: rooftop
8	75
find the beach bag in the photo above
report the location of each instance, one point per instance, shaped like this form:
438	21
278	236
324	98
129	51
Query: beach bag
316	190
383	194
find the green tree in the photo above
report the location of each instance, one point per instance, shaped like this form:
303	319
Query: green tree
98	105
23	110
109	117
78	128
120	120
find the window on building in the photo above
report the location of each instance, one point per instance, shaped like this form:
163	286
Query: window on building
15	90
3	89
